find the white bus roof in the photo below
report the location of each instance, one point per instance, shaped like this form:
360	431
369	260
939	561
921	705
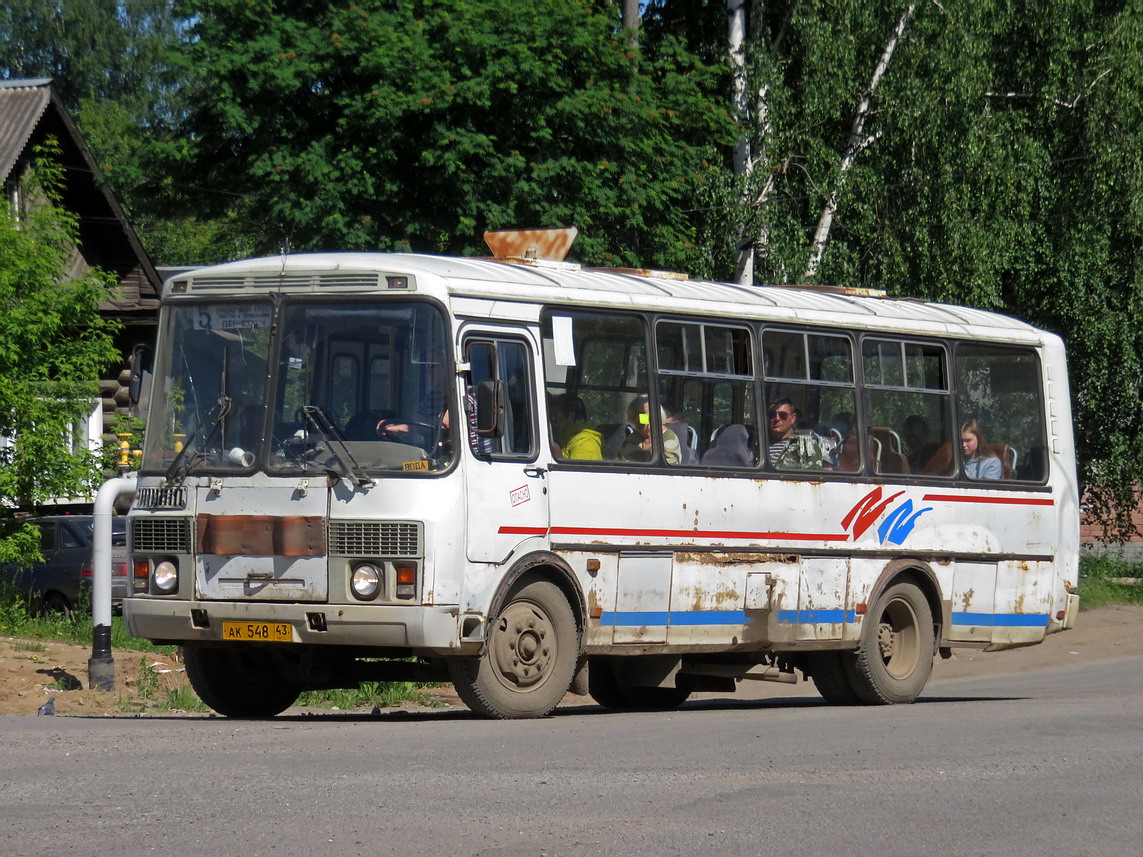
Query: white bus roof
553	283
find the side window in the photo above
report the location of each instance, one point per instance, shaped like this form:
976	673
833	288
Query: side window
1000	413
595	370
47	535
67	539
908	408
811	402
500	384
706	388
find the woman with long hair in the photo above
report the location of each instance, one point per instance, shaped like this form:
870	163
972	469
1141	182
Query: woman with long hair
978	462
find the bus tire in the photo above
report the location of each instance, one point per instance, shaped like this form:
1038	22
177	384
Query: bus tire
239	682
529	660
609	693
895	658
827	671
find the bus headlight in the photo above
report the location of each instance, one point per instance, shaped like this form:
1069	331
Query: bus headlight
366	581
165	577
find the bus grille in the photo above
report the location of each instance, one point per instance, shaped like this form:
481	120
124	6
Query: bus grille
161	497
374	538
275	280
161	535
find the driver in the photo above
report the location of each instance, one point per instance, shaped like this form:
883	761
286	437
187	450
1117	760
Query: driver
432	409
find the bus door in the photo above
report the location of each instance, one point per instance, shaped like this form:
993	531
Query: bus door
506	492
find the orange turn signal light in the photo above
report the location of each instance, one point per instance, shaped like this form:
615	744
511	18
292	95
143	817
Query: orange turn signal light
406	574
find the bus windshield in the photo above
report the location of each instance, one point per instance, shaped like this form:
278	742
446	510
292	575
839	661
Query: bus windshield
362	387
358	388
209	394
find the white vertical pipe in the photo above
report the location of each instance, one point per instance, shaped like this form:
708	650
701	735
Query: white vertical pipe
101	665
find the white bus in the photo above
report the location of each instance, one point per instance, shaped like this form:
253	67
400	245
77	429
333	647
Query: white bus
530	477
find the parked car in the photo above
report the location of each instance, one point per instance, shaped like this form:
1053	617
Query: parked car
66	542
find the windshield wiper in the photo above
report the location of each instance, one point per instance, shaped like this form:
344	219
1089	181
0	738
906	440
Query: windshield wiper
324	427
184	463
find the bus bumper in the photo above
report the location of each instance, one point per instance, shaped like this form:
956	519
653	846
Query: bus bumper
417	628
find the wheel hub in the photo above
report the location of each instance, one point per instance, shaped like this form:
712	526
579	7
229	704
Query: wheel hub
885	640
523	646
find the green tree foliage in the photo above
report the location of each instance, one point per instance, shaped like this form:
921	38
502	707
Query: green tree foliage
387	125
53	345
111	63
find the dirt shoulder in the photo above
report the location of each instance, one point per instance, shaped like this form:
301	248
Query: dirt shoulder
33	670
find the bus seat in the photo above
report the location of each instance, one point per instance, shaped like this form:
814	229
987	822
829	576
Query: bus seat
941	462
890	455
612	435
1007	456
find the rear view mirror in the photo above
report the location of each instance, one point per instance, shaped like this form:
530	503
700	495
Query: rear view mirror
490	408
141	357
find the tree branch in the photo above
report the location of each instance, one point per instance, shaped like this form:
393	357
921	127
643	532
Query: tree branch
857	143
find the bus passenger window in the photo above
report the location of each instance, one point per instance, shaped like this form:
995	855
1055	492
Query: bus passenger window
908	408
811	402
706	384
604	366
1000	407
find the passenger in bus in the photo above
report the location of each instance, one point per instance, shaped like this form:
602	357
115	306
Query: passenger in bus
677	424
637	445
573	437
731	448
977	463
915	432
800	449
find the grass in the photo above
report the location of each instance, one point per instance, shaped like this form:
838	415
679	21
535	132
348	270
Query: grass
369	694
1105	580
151	694
17	621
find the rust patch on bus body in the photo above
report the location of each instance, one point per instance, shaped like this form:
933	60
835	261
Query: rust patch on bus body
726	559
261	535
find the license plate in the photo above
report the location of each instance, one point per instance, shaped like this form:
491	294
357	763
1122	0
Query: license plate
261	632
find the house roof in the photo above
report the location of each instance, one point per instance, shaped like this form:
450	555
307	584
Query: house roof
22	103
30	112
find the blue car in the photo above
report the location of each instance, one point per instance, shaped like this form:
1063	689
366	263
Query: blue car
66	543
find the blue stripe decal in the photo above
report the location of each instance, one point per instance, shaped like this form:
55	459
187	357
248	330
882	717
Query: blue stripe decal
816	617
663	618
636	619
1002	620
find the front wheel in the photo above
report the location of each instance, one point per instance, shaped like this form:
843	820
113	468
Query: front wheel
895	658
530	658
239	682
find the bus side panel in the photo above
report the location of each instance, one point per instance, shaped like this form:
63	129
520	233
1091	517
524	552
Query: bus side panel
973	603
823	599
1024	601
708	599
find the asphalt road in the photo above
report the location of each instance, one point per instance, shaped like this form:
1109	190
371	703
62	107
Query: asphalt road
1045	762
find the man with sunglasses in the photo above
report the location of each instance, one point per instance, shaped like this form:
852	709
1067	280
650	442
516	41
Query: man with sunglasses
790	449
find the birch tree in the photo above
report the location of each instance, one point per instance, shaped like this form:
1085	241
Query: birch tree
859	140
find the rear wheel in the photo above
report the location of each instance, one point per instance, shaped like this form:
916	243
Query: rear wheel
239	682
530	658
56	603
895	658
